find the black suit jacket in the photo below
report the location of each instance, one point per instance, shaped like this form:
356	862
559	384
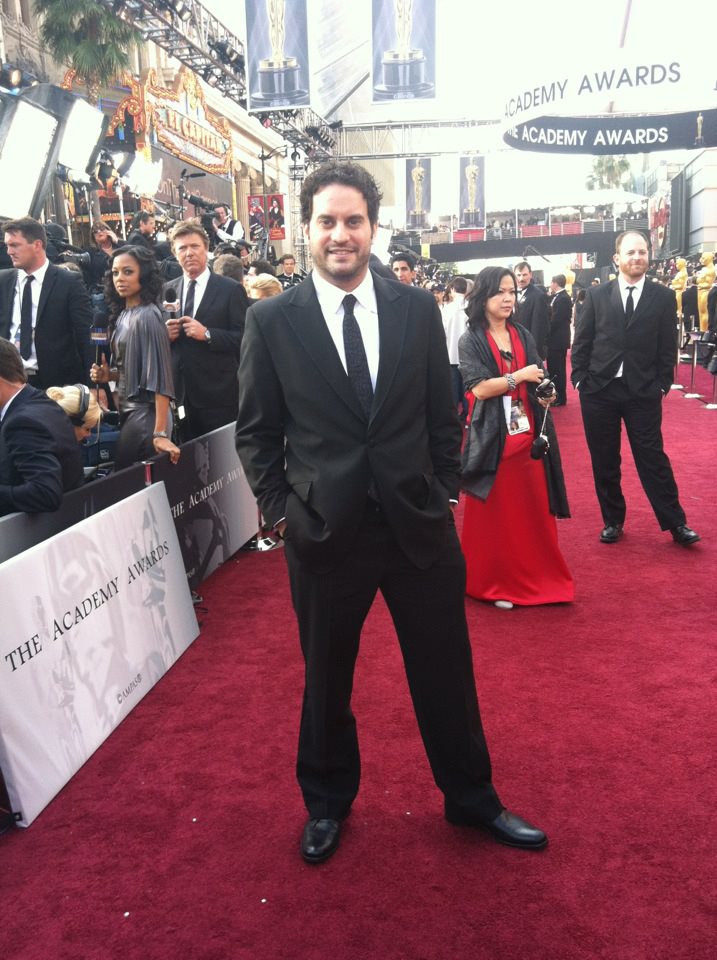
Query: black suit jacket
646	346
533	313
39	455
205	374
561	315
62	328
307	448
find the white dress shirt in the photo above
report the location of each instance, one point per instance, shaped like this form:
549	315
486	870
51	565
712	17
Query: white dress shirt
35	289
202	280
637	286
365	310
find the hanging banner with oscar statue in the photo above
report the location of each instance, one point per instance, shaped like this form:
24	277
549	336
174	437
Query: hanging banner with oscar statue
404	50
418	193
472	192
277	54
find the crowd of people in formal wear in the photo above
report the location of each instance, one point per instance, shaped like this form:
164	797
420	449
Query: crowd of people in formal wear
154	328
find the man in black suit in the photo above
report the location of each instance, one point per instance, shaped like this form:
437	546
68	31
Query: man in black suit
206	336
349	438
142	234
561	314
622	361
532	307
39	455
45	311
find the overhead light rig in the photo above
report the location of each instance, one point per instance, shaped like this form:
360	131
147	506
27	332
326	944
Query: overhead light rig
305	130
189	32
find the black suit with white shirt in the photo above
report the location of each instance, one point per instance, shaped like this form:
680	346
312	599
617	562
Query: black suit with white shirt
205	371
61	329
533	313
366	500
561	314
622	370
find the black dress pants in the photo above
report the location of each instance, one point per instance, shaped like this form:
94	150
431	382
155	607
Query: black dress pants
556	369
428	611
603	413
201	420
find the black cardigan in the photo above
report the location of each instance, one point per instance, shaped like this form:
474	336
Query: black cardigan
485	438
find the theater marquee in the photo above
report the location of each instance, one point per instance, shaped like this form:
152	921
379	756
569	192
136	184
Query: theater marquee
178	119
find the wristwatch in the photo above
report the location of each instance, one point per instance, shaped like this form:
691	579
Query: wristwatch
208	335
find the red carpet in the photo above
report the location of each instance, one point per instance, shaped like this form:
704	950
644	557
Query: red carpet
179	838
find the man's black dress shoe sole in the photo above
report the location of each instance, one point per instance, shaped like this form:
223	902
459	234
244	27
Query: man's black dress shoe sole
611	533
507	828
320	840
684	536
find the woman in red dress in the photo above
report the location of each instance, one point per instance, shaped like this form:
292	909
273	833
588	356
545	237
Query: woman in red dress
510	538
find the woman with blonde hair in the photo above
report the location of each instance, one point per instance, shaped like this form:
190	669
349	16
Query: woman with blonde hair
263	286
80	405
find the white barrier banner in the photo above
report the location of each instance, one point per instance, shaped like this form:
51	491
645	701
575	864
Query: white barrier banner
92	618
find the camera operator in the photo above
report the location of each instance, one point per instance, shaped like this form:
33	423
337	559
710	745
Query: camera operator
57	349
224	227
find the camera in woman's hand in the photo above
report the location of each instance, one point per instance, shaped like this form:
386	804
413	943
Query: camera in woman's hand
545	389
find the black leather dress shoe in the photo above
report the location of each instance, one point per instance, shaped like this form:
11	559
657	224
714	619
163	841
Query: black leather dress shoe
684	536
320	839
611	533
507	828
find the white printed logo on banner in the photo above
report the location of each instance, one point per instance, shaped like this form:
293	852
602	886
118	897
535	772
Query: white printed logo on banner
98	614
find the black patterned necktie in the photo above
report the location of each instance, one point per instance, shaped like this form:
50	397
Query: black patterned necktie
629	305
26	320
189	302
356	362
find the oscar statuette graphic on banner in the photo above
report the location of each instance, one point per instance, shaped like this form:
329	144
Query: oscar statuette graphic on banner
417	214
278	74
471	213
403	68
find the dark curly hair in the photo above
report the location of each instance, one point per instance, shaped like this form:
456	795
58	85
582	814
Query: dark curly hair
487	284
347	174
149	277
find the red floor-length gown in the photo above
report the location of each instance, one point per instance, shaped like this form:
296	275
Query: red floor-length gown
510	540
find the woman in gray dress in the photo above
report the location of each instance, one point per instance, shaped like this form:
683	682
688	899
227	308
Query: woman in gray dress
141	360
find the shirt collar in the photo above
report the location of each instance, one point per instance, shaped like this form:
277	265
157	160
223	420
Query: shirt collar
331	297
624	284
39	274
201	280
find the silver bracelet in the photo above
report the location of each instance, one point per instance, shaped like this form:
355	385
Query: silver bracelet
160	434
511	381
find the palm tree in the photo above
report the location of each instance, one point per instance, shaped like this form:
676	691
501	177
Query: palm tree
88	37
610	171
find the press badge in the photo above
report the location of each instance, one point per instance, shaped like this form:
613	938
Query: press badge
515	416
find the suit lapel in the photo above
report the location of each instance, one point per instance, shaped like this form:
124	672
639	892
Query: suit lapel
210	292
643	304
616	302
7	304
392	318
47	287
306	320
